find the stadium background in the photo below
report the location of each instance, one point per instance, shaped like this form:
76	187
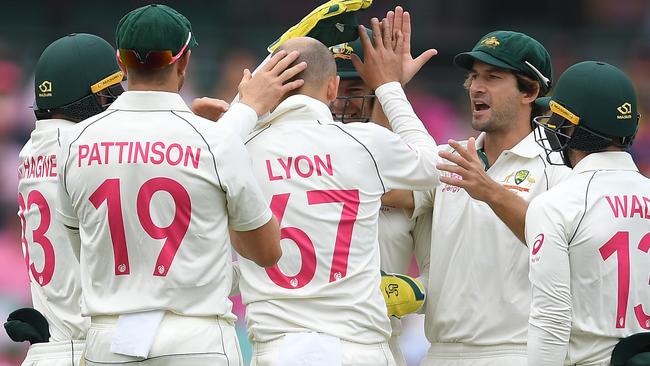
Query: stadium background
233	34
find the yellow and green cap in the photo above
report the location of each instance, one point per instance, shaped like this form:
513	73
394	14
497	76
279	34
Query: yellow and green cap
597	96
154	27
343	56
73	67
513	51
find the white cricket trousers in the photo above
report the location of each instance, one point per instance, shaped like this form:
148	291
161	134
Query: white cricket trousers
352	354
180	340
396	350
458	354
64	353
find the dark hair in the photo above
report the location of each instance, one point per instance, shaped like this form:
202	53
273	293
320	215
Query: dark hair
529	86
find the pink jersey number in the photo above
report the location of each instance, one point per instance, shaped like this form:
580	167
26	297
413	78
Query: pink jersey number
338	270
38	236
173	234
620	244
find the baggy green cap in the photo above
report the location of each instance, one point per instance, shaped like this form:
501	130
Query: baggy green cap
343	57
513	51
597	96
154	27
73	67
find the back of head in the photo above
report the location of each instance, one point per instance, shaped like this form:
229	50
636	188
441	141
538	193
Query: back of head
73	74
321	67
152	38
599	100
511	51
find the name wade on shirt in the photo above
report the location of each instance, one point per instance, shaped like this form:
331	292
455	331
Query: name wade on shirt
300	166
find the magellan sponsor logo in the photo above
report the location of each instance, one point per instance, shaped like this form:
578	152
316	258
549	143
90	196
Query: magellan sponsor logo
490	42
45	89
625	111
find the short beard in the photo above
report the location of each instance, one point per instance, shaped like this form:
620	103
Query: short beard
501	118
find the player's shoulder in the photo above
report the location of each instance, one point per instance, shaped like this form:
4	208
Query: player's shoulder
27	150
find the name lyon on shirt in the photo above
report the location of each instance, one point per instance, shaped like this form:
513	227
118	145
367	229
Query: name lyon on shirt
302	165
136	152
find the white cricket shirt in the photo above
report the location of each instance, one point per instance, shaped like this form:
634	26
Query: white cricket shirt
589	241
153	188
325	181
52	265
478	291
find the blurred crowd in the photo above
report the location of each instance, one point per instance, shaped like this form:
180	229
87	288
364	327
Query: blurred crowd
232	37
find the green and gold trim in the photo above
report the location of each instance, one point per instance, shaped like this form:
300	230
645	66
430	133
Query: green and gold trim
107	81
567	114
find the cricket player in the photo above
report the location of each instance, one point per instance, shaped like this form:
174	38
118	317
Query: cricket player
589	237
399	234
76	77
152	189
478	295
321	304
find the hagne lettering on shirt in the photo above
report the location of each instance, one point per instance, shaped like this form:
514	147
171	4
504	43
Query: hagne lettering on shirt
137	152
41	166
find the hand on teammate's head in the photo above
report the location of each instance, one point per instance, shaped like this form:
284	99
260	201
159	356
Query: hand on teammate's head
264	90
382	60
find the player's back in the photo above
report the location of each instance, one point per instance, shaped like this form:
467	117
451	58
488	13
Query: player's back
324	181
608	212
52	265
148	181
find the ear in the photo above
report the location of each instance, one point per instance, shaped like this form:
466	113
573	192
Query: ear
530	97
333	88
183	62
119	62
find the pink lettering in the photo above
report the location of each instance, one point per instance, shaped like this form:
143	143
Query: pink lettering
321	164
618	206
269	170
121	150
646	203
94	155
156	149
52	165
179	149
83	153
636	207
310	166
105	145
287	166
142	152
190	155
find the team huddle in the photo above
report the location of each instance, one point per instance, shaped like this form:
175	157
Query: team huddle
310	193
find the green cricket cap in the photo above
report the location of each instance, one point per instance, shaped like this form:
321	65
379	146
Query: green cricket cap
74	67
343	57
154	27
513	51
632	351
597	96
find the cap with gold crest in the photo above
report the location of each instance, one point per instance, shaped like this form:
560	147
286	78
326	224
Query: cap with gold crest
72	68
513	51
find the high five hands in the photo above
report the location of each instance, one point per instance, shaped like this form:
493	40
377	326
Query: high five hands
389	59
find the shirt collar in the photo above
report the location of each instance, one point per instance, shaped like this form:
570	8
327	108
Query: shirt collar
46	124
149	101
606	160
303	108
527	148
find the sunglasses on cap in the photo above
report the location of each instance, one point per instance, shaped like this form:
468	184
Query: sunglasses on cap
152	59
